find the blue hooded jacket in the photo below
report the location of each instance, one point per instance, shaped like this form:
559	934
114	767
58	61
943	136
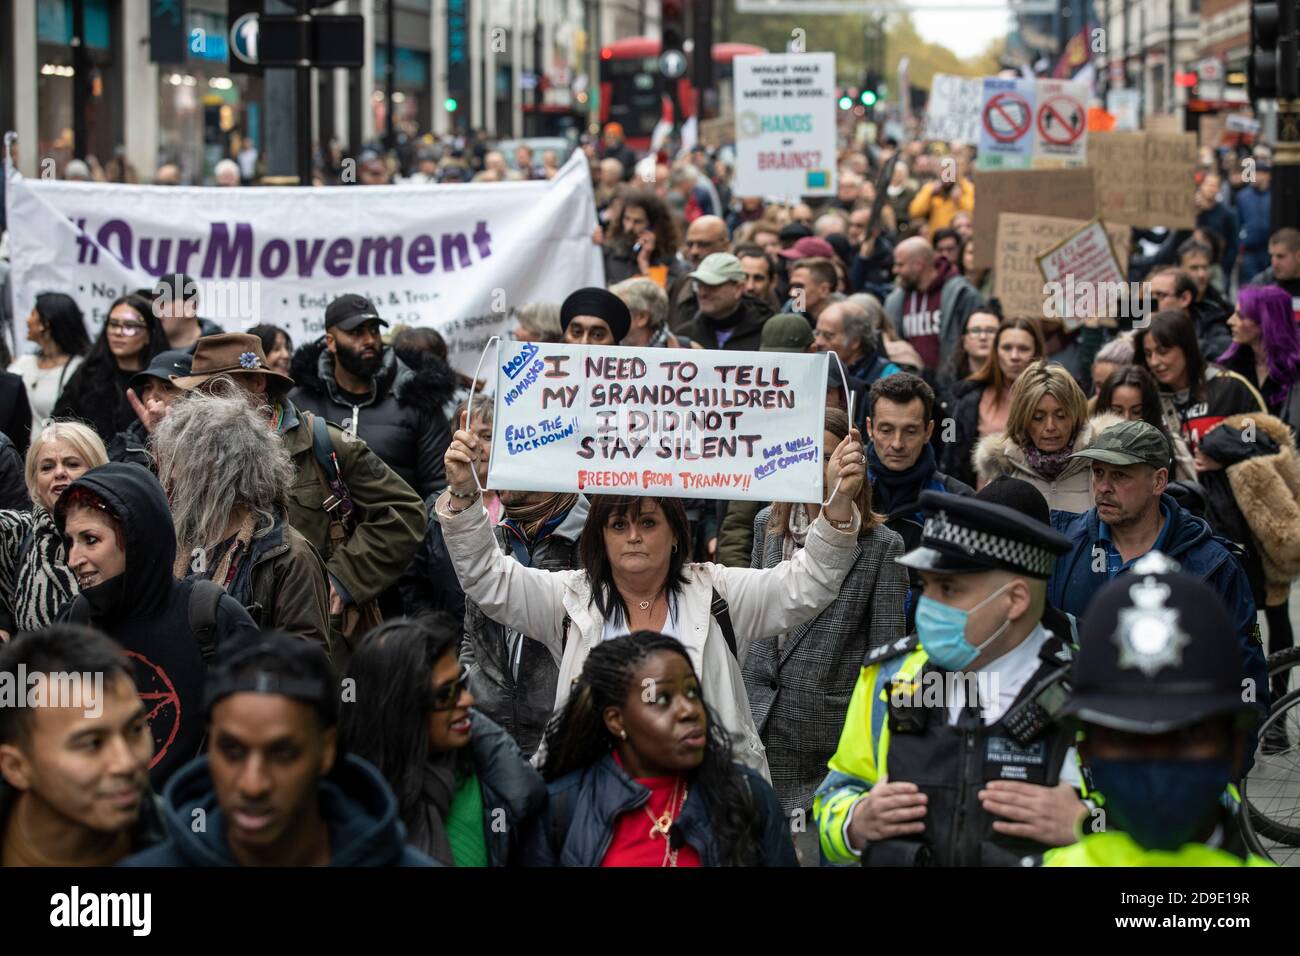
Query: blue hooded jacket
359	809
1189	541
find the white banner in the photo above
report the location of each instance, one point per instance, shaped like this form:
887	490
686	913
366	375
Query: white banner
459	258
785	124
682	423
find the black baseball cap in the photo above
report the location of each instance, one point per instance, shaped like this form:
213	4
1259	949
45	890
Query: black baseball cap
351	310
163	366
1157	651
964	535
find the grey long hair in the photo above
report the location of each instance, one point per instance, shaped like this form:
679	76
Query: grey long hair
216	453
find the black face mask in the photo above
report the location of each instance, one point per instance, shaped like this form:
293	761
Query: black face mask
106	598
352	361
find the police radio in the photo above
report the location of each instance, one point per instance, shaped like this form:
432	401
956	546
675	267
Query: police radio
1037	710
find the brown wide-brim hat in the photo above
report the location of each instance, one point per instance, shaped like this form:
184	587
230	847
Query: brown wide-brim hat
231	353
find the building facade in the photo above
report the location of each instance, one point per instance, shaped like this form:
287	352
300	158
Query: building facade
510	67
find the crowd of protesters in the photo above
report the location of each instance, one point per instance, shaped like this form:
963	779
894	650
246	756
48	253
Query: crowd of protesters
229	524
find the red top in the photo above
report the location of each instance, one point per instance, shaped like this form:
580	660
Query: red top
632	844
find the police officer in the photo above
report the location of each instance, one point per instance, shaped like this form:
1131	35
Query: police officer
1165	708
949	753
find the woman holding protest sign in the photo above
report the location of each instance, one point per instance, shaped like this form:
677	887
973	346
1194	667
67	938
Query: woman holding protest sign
96	393
636	576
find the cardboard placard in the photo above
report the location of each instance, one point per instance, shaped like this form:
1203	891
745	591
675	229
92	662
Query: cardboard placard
1211	129
1022	239
1068	193
1145	179
716	133
1163	123
1086	278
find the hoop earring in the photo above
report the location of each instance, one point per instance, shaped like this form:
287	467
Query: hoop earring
674	549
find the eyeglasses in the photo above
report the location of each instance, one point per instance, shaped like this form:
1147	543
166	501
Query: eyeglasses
444	696
126	328
982	333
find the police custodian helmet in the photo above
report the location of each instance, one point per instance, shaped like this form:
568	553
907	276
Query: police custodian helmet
1157	652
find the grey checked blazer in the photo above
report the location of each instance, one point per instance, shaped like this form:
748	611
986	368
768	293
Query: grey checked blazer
799	697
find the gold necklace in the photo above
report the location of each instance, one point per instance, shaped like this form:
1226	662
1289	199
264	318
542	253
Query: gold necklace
664	822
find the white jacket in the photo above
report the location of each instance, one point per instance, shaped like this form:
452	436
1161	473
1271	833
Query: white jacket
762	603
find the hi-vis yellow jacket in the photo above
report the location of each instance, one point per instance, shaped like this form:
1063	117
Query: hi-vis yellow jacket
860	759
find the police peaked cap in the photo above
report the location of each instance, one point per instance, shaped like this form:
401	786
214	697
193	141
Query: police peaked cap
964	535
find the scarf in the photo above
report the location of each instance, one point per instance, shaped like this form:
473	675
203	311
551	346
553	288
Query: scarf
438	786
796	531
230	552
899	490
1048	464
533	515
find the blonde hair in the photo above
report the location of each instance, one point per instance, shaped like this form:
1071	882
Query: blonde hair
81	438
1040	379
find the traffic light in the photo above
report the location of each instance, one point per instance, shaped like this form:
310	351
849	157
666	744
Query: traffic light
672	24
868	97
846	102
1273	65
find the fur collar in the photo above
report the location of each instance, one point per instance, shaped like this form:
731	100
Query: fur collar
997	454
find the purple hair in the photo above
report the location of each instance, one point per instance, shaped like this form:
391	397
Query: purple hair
1270	307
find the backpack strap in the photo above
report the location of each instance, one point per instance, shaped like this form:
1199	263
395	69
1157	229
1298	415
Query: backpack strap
338	499
205	595
722	614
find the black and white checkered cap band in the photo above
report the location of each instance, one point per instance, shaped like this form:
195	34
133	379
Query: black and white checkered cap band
938	529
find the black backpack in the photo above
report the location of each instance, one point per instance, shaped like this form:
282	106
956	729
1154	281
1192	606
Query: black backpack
205	596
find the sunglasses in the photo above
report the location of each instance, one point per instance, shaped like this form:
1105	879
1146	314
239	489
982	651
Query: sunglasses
444	696
126	328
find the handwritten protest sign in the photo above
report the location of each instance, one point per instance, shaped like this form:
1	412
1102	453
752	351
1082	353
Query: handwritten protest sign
678	422
1067	193
1085	277
1022	239
1145	179
953	112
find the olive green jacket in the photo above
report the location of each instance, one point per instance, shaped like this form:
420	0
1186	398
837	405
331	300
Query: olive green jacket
389	519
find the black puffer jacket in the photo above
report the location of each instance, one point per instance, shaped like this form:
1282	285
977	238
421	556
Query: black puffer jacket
147	611
402	421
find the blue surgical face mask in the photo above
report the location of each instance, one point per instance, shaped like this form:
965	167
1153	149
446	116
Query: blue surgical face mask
1161	804
942	632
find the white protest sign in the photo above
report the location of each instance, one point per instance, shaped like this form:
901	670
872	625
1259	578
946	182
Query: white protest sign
1006	124
953	112
1237	123
684	423
785	124
459	258
1125	105
1060	124
1083	277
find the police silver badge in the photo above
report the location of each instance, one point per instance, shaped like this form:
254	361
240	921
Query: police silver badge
1148	634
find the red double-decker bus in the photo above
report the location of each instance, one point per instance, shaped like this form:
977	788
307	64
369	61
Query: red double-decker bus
634	93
